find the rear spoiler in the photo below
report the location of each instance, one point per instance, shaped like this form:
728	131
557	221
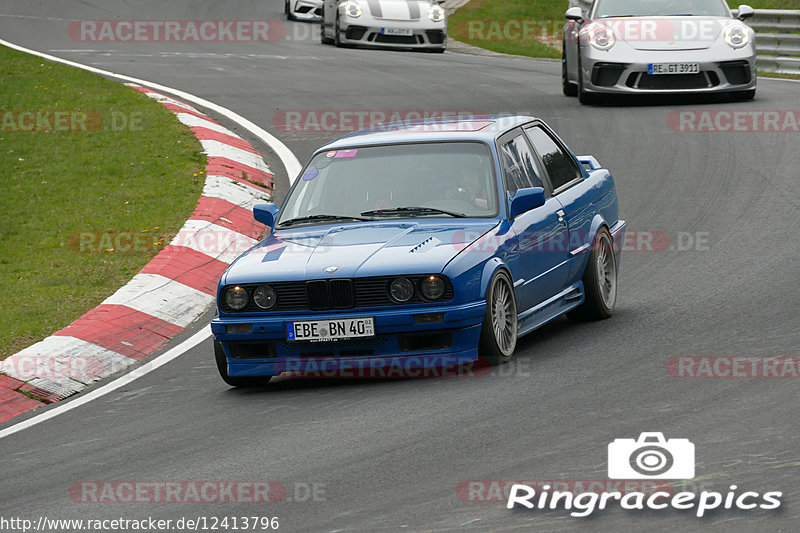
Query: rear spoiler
589	162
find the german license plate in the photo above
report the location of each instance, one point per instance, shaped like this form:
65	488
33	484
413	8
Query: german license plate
330	330
673	68
397	31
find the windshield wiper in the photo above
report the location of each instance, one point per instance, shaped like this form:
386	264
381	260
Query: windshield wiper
401	210
311	218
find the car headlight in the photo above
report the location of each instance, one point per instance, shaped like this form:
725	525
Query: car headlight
432	287
401	290
436	13
600	36
352	9
264	296
737	35
237	298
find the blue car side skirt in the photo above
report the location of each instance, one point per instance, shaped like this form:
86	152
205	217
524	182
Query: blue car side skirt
564	301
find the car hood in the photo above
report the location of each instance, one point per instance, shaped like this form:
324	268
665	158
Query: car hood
668	33
359	249
396	9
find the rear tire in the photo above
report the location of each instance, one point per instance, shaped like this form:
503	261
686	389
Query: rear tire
499	331
599	281
222	367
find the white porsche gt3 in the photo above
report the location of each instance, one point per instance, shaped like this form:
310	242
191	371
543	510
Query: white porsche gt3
418	24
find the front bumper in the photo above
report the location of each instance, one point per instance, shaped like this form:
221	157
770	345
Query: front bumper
306	9
264	351
625	71
425	36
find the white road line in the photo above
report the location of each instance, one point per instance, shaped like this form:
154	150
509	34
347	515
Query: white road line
286	156
136	373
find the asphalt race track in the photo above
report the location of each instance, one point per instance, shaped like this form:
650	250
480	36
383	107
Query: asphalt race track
390	455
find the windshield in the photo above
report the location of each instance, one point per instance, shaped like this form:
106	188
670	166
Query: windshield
647	8
399	180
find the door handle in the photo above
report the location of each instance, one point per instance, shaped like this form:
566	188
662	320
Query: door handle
561	214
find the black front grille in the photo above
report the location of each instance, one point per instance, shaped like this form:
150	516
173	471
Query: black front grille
607	74
318	295
396	39
736	72
701	80
435	36
355	33
330	294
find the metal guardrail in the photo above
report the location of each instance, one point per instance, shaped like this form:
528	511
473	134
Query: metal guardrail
778	49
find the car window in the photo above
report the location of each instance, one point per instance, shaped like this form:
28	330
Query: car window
560	166
518	165
448	176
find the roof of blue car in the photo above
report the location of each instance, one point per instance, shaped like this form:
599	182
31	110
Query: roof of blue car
464	128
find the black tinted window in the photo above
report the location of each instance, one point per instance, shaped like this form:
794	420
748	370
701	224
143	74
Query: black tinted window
559	165
518	165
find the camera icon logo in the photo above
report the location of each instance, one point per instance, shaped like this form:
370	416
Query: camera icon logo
651	457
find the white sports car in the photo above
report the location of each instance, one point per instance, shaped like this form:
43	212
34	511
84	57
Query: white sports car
420	24
658	46
303	9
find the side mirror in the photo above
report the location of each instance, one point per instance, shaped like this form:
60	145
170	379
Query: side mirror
574	13
526	199
266	214
745	12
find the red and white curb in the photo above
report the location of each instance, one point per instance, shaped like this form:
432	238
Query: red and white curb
173	290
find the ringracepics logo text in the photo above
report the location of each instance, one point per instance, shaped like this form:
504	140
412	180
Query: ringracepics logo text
650	456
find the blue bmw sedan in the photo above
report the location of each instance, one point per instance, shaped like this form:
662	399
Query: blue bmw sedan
422	245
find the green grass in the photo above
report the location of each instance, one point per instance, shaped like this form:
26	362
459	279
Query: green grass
61	186
775	75
492	24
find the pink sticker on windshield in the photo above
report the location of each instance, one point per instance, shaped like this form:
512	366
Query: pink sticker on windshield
346	153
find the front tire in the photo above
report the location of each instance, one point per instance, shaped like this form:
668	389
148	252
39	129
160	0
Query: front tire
746	95
288	11
337	38
322	37
222	367
584	97
569	88
499	331
599	281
